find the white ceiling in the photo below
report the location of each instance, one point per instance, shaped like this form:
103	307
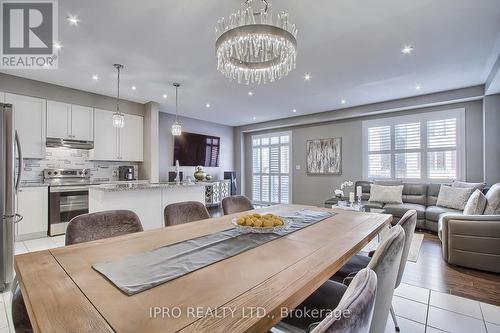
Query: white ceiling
350	47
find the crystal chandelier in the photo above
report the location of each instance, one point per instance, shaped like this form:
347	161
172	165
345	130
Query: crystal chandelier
256	47
118	117
176	127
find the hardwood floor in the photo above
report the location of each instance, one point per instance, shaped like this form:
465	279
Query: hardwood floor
431	271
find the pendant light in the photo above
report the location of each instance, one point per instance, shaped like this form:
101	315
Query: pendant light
118	117
176	127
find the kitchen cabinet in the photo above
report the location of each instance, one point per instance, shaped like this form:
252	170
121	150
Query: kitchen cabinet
117	144
29	120
131	139
67	121
32	204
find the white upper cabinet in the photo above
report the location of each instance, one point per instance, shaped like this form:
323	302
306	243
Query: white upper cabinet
82	123
68	121
105	137
113	144
29	120
131	139
58	120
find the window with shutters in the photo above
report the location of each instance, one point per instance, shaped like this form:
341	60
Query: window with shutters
425	147
271	168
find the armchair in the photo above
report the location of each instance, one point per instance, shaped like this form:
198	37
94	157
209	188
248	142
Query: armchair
471	241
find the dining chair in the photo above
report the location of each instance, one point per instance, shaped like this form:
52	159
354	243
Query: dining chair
357	300
236	204
100	225
20	317
408	222
185	212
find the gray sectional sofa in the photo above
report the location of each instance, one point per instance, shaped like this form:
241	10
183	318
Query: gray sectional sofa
421	197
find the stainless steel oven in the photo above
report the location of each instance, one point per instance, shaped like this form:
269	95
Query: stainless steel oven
68	197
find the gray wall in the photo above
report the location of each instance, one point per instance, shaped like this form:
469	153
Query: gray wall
166	145
313	190
491	136
18	85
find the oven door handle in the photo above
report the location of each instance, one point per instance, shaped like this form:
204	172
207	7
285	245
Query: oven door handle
59	189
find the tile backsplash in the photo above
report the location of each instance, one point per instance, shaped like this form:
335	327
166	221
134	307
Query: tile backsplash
66	158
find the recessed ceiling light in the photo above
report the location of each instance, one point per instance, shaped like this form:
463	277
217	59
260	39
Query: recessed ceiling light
164	96
343	101
294	110
73	19
407	49
95	77
254	118
207	105
134	87
307	77
250	93
57	45
418	87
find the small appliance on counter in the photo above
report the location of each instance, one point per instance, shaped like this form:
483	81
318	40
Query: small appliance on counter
126	173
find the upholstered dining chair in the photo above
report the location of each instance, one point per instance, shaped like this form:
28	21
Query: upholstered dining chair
408	222
83	228
100	225
385	264
358	300
236	204
184	212
20	317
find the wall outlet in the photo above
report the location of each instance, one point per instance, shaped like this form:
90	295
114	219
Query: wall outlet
297	167
115	173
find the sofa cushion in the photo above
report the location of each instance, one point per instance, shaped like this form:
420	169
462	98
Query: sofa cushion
476	203
493	200
369	204
398	210
432	213
454	197
389	182
415	193
475	186
386	194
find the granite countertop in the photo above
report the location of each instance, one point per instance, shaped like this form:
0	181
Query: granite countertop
140	186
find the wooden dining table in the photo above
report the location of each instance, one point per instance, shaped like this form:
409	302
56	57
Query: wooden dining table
248	292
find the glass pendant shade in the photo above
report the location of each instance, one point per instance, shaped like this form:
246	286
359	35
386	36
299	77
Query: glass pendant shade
118	120
176	129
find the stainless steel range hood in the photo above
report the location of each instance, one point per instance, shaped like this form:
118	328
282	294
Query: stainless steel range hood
75	144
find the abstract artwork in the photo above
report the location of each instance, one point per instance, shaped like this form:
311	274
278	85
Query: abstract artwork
324	156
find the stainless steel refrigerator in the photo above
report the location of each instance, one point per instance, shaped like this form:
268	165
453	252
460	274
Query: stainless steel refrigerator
10	176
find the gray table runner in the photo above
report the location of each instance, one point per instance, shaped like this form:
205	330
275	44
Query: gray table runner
146	270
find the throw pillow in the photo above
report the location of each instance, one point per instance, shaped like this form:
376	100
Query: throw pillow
386	194
493	199
476	186
476	204
453	197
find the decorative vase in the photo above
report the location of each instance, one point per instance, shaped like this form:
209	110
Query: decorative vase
199	174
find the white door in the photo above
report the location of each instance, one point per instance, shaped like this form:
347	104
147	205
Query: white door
82	123
131	139
58	120
29	118
32	204
105	137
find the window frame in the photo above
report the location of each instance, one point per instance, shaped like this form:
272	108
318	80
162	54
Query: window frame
422	118
290	170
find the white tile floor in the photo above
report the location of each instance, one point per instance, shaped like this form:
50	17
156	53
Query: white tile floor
418	309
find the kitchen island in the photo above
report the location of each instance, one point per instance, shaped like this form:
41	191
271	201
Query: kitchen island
147	200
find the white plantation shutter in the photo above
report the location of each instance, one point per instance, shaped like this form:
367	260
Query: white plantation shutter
271	168
419	147
379	147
